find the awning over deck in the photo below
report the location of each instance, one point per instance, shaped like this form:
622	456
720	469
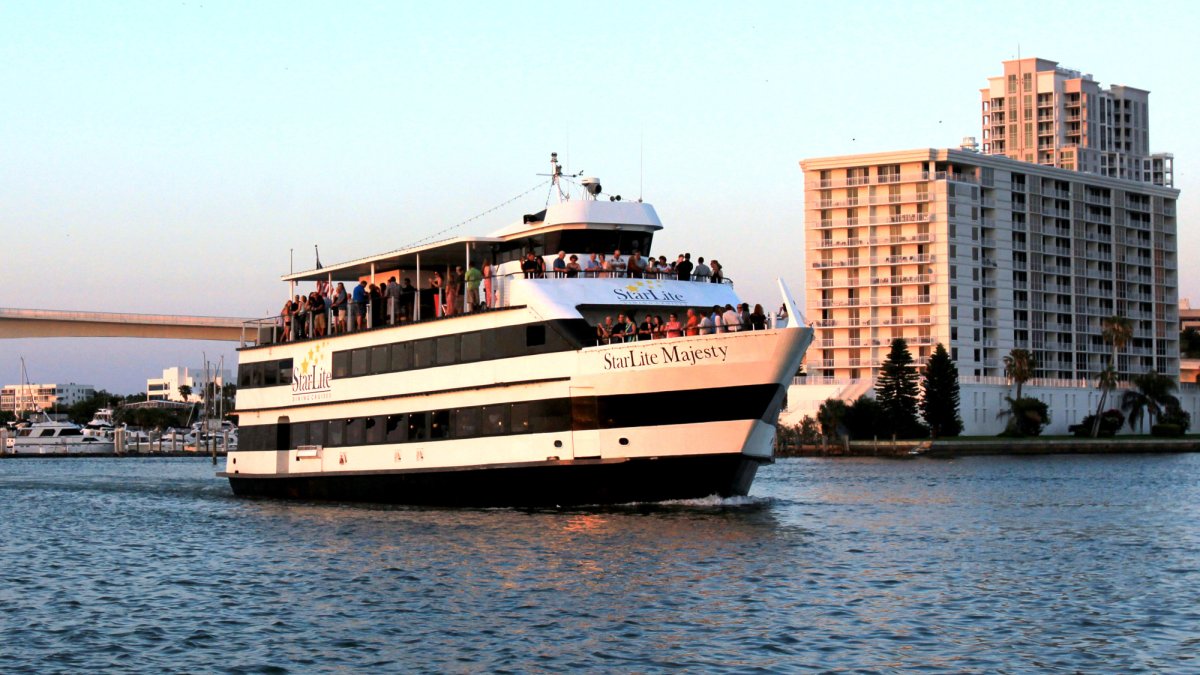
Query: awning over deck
434	256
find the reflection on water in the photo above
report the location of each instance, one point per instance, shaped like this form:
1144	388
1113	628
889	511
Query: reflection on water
975	565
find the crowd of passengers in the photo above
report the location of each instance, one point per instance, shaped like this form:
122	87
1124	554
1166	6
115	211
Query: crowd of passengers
727	319
332	310
616	265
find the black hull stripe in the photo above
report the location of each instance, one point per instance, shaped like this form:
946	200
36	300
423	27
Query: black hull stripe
397	397
563	484
692	406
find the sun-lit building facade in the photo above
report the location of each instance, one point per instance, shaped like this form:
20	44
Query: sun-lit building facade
1040	112
985	254
39	397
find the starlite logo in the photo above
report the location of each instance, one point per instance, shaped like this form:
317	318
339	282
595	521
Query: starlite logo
646	291
311	380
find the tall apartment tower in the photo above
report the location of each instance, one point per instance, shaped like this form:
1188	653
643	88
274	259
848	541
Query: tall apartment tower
985	254
1040	112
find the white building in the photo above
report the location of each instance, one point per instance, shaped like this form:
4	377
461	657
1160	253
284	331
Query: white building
166	388
47	397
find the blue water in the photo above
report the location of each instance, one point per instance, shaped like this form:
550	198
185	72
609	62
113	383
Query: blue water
978	565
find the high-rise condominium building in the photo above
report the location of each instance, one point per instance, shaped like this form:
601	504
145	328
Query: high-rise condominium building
1040	112
985	254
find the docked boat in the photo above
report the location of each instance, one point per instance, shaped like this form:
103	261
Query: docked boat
57	438
512	400
101	425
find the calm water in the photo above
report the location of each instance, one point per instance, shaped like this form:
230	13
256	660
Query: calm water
988	565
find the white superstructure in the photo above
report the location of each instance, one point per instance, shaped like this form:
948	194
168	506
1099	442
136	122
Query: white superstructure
513	401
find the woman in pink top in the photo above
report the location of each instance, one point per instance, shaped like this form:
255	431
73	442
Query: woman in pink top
673	327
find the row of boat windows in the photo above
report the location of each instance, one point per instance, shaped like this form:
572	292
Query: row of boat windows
446	350
49	432
500	419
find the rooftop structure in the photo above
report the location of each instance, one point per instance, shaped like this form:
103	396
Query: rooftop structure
985	254
1040	112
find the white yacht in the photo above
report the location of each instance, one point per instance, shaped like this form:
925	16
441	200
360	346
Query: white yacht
514	401
101	426
57	438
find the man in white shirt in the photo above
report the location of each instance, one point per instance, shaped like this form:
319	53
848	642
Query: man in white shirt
701	272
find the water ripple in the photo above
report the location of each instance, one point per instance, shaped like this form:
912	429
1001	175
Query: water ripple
983	565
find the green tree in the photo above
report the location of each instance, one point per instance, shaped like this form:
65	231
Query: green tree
1027	416
830	416
185	391
862	418
1115	330
939	404
1150	396
1018	367
896	389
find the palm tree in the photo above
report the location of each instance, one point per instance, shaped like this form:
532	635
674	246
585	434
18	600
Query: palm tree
1018	367
185	391
1116	330
1150	396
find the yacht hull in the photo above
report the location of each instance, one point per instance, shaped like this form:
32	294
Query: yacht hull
549	484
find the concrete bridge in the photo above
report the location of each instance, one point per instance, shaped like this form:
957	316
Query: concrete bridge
36	323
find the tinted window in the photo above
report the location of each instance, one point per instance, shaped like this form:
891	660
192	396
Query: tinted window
244	375
418	427
270	373
337	433
423	354
376	426
299	434
535	335
554	415
447	350
356	430
401	356
380	359
358	362
397	428
520	418
494	420
439	424
471	347
256	375
285	371
341	364
316	433
466	423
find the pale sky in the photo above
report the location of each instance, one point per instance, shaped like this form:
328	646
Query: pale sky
164	157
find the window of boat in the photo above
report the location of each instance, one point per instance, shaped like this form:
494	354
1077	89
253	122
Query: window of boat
256	375
46	432
418	426
341	364
447	350
358	362
299	434
244	371
316	433
520	418
552	415
337	433
380	359
25	432
423	352
401	356
535	335
472	347
356	430
285	371
270	373
375	427
71	432
466	423
600	241
397	428
439	424
494	420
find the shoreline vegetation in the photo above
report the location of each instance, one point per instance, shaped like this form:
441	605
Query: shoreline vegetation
987	445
